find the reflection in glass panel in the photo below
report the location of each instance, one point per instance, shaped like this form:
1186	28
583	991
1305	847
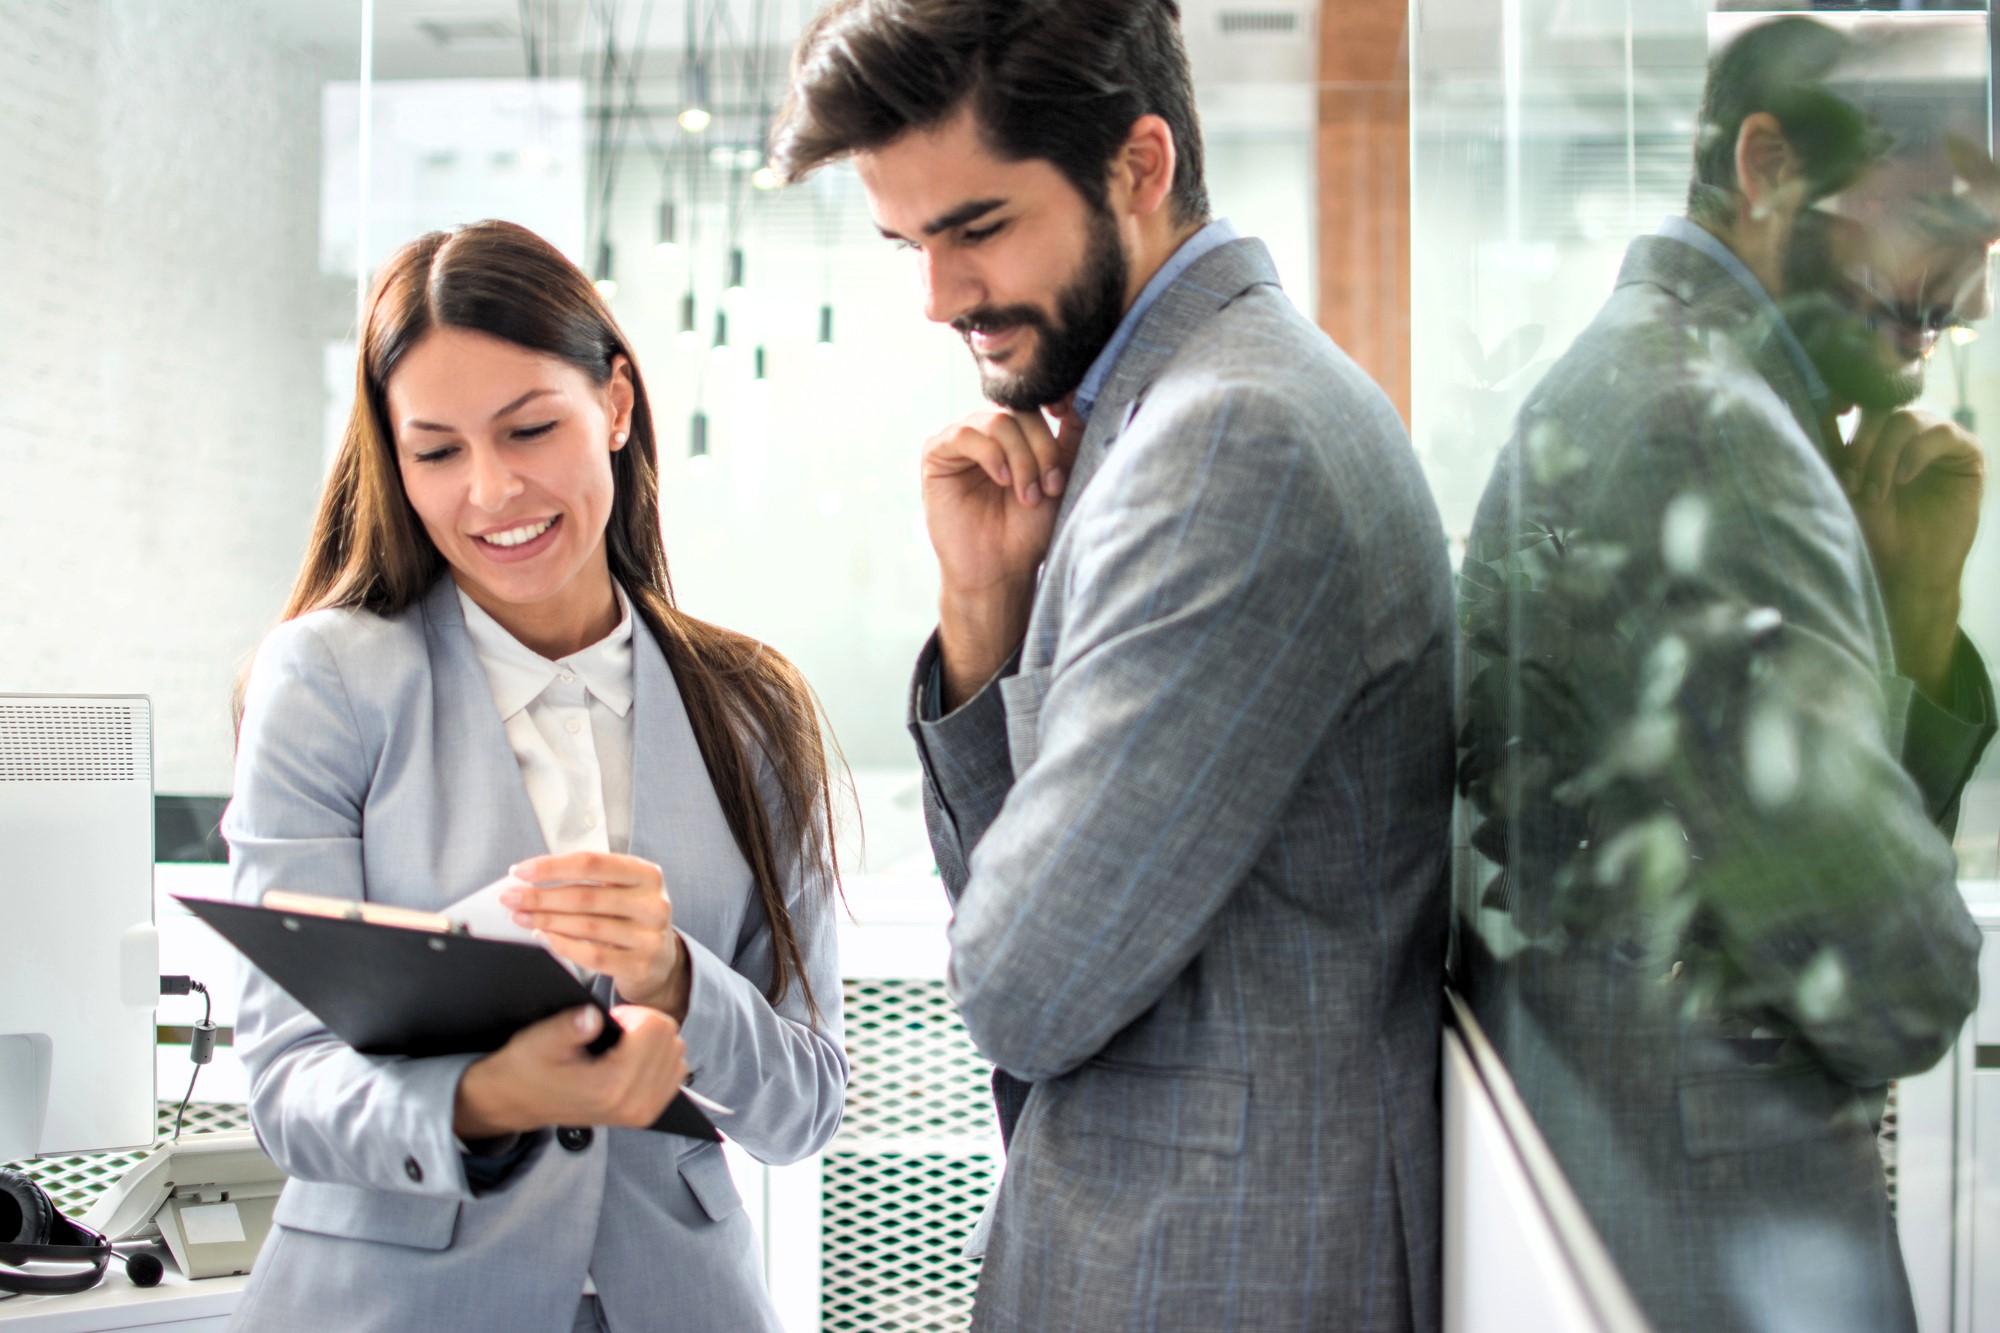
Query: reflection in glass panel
1720	720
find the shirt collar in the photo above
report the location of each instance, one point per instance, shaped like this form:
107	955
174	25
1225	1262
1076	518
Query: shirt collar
1216	233
518	674
1699	237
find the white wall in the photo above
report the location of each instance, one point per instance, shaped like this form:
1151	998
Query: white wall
159	365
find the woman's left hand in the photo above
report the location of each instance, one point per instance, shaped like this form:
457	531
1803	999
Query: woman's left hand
610	914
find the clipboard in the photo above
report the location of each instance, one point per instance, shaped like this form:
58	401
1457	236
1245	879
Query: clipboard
391	981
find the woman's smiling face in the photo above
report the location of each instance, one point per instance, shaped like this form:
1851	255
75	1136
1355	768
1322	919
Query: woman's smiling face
505	455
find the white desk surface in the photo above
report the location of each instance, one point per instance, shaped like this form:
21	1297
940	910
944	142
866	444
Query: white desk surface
116	1304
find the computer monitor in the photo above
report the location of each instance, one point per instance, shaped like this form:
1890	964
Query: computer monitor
79	958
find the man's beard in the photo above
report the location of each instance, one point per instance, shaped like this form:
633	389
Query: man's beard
1842	343
1087	314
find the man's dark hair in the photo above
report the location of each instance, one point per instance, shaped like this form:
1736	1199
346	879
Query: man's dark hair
1057	80
1785	68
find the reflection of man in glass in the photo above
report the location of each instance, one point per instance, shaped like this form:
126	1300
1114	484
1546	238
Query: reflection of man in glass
1719	709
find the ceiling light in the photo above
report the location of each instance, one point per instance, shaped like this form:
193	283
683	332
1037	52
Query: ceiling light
607	286
667	242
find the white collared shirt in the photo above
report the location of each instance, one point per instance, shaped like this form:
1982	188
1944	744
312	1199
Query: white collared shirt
570	725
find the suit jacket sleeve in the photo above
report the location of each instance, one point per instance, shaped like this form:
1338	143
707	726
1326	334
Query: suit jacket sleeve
780	1069
323	1111
1834	892
968	769
1206	648
1943	742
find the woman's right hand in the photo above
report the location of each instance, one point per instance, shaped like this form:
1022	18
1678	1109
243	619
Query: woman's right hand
544	1075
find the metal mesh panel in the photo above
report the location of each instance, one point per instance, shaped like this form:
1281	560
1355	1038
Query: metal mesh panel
917	1155
75	1182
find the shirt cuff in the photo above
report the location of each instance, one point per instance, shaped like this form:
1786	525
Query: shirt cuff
1943	745
964	752
489	1163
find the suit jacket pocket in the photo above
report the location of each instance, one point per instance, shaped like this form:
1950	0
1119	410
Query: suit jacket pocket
353	1213
707	1177
1766	1108
1196	1109
1022	695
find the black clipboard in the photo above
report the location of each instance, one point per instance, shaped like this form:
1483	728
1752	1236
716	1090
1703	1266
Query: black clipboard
400	990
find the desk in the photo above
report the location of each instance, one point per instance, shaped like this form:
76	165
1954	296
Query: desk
177	1305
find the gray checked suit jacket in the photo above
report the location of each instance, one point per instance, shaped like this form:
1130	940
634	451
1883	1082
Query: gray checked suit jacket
1197	845
373	764
1729	915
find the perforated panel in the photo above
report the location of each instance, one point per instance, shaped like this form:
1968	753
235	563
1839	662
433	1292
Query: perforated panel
72	741
916	1158
75	1182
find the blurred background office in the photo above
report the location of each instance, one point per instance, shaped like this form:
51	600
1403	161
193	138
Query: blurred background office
194	193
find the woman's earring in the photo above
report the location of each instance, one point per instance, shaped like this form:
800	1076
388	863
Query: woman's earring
618	436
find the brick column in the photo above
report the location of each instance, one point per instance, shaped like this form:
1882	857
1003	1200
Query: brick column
1364	187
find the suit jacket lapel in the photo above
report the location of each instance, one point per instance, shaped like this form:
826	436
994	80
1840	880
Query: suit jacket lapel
677	819
474	752
1210	283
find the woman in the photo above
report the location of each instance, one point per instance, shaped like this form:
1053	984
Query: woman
482	671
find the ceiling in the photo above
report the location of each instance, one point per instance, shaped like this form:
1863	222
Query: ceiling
1254	60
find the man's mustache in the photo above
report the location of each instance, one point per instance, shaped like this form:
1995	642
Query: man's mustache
999	320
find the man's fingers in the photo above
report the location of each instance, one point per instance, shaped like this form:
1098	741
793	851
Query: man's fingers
1854	459
1029	463
963	443
1876	474
1944	447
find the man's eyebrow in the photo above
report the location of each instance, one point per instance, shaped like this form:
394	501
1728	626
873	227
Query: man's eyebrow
971	211
514	406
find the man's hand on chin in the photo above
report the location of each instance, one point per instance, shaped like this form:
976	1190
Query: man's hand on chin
1915	480
992	485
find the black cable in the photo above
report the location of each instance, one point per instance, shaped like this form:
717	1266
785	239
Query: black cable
201	1049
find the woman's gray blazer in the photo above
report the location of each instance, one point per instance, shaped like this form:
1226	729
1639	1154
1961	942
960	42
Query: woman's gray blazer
373	764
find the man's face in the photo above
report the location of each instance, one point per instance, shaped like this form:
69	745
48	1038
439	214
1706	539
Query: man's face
1873	277
1012	257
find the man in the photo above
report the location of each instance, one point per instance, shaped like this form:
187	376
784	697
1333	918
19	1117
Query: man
1185	723
1720	711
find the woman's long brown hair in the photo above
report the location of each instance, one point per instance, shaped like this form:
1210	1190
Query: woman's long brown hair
369	551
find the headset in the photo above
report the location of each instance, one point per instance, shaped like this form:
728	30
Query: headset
32	1231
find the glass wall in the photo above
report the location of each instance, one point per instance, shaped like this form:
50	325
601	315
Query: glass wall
1719	804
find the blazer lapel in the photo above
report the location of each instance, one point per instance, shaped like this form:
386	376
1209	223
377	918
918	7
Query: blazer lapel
677	821
474	753
1210	283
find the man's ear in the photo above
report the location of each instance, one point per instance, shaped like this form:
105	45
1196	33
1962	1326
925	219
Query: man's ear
1144	169
1769	175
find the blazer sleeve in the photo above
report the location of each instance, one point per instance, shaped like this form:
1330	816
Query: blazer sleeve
1208	643
781	1069
968	769
1828	883
323	1111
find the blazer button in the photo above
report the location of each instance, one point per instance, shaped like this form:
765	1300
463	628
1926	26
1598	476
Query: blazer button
413	1169
573	1138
